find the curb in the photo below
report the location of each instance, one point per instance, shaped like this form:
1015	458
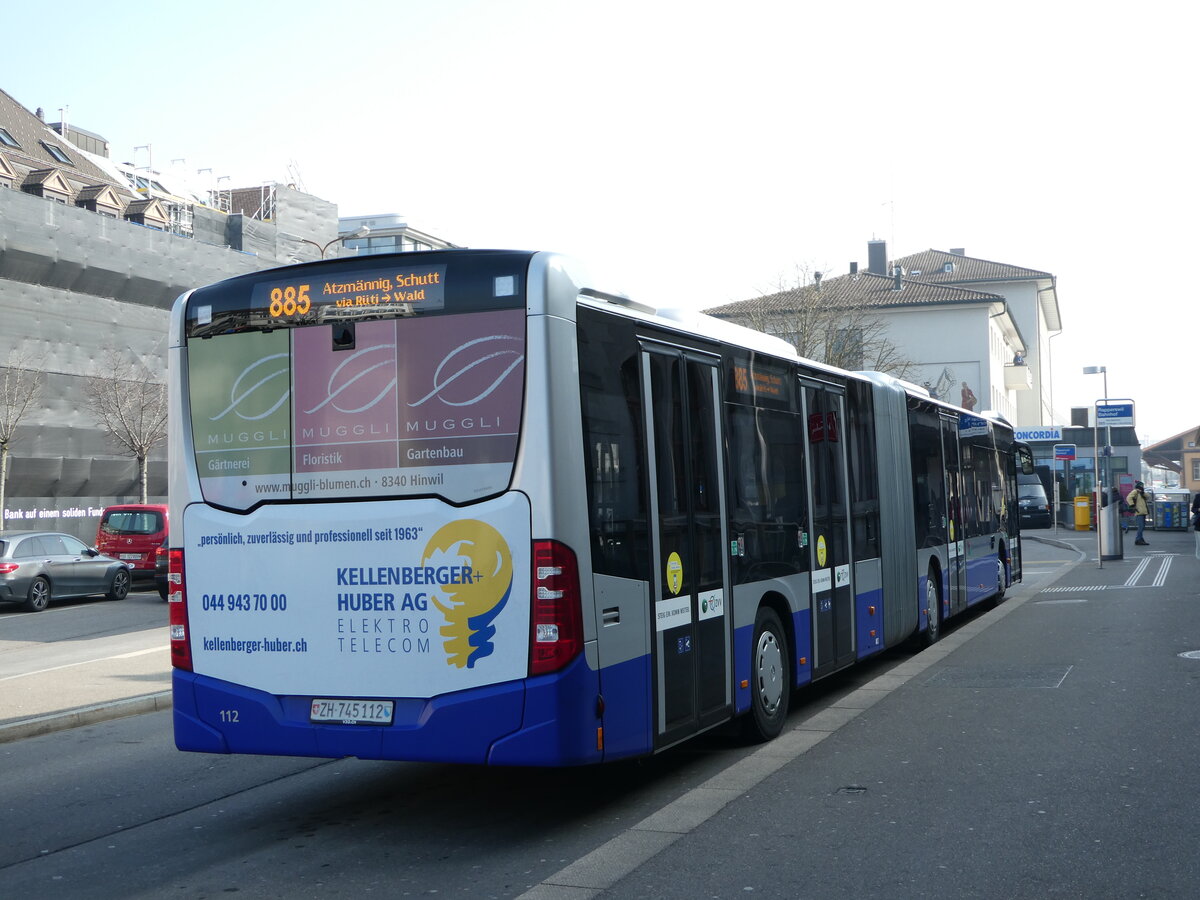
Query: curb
85	715
1053	542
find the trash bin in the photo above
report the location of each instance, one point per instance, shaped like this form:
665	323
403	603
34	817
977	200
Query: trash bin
1083	513
1112	545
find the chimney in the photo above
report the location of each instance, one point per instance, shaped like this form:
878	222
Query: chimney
959	251
853	268
877	257
817	279
41	114
897	282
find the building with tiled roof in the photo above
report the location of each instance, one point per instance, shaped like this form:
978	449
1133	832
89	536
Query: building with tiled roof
88	262
1032	298
970	330
1179	453
962	343
93	253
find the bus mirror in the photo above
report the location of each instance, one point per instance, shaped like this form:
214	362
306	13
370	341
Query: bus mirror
1026	458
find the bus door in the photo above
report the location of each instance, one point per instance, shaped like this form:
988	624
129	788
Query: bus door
691	594
956	527
829	543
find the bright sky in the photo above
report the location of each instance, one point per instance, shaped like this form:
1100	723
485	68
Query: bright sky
696	152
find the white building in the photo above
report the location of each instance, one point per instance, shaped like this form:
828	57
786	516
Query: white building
973	332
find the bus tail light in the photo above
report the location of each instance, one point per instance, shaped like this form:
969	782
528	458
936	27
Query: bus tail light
181	646
557	626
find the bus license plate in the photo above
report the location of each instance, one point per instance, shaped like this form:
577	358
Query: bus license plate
353	712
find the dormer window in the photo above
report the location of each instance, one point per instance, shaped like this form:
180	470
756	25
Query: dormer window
58	153
8	140
948	268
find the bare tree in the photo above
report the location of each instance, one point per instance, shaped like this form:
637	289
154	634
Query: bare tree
20	388
131	405
843	333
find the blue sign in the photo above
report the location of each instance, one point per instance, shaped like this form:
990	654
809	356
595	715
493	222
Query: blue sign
1064	451
971	426
1114	415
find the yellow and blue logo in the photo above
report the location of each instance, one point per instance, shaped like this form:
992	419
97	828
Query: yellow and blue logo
479	593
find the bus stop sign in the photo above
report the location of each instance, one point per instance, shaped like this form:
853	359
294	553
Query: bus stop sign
1114	414
1064	451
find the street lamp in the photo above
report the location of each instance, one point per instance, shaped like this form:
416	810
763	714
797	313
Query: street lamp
1099	370
361	232
1102	370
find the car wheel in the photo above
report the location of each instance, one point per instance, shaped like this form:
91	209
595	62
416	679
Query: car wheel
118	588
162	591
39	595
771	682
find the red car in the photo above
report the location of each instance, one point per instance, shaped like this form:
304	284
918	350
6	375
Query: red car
132	533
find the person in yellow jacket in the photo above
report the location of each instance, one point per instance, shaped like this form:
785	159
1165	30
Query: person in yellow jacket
1137	503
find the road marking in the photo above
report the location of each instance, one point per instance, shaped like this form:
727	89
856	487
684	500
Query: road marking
1160	577
165	648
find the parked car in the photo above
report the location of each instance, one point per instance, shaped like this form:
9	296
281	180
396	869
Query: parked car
133	532
1034	507
161	560
39	566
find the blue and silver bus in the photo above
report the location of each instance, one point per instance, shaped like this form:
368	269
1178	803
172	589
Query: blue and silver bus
467	506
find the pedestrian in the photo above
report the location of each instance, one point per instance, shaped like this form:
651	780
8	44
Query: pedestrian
1196	511
1137	502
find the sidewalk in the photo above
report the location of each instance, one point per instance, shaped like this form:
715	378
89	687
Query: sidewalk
84	693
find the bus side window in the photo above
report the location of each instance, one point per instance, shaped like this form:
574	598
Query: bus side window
766	466
611	406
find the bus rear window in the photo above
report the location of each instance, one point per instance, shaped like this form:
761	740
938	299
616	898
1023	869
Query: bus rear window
388	407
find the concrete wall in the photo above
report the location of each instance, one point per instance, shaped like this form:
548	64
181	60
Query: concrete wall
73	284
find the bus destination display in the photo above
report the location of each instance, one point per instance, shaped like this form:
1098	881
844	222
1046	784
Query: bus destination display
342	295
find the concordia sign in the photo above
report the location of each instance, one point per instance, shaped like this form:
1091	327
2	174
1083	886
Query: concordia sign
1042	433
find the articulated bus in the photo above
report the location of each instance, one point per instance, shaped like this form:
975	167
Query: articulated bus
465	506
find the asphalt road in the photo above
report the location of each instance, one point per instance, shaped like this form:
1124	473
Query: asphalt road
1042	749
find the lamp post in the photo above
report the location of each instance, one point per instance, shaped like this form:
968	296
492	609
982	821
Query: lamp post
362	231
1103	370
1099	370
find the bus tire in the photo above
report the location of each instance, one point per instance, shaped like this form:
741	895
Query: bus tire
38	597
1001	587
770	678
933	601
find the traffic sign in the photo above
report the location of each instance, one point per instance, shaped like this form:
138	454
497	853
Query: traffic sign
1064	451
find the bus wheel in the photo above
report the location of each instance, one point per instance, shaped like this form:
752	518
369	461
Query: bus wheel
1000	585
934	604
770	682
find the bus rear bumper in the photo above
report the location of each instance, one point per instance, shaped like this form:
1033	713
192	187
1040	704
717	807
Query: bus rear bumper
526	722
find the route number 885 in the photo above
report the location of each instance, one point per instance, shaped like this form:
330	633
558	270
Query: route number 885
290	300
